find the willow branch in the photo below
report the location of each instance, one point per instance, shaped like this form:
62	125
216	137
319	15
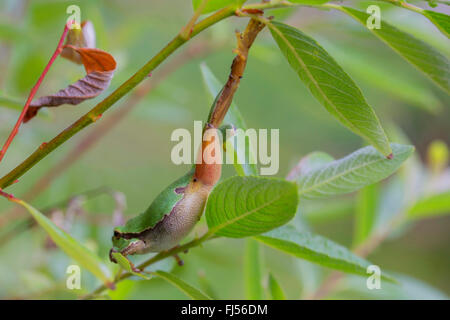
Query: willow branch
96	113
90	140
245	41
33	91
158	257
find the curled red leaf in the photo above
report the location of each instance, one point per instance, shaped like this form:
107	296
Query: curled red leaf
99	66
96	59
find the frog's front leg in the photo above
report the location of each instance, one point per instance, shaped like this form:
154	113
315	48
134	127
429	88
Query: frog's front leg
133	247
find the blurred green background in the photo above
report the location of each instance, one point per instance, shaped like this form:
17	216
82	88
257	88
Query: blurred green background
134	158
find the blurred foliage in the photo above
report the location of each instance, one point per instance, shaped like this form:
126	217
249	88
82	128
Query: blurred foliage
134	158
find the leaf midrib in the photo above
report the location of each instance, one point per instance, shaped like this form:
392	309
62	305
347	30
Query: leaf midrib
316	84
302	191
242	216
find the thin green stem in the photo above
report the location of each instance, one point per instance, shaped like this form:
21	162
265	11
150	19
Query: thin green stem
160	256
268	5
109	101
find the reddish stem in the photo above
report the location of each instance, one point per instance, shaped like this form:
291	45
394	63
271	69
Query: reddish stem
8	196
33	93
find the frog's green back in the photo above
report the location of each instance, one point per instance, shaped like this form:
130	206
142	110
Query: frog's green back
161	206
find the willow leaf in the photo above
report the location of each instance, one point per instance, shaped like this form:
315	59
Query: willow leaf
246	206
186	288
71	246
440	20
361	168
316	249
329	83
275	290
420	54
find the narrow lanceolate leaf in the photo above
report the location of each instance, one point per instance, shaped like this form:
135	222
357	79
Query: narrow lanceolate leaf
244	158
213	5
314	248
127	266
435	205
311	161
359	169
365	214
309	1
246	206
71	246
440	20
420	54
275	290
99	66
329	83
186	288
252	271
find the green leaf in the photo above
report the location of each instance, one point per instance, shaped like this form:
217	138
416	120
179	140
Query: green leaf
186	288
365	212
126	264
213	5
420	54
329	83
361	168
440	20
313	2
252	271
435	205
311	161
378	74
315	248
244	159
71	246
246	206
276	293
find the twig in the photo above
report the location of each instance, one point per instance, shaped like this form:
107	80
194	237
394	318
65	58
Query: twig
187	29
103	128
245	41
158	257
127	86
33	93
93	115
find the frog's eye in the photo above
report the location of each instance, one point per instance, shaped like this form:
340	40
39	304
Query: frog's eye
195	180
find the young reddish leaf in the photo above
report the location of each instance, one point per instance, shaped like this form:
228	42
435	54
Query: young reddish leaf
96	59
99	66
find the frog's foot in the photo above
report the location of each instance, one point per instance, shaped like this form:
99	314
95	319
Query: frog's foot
111	258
